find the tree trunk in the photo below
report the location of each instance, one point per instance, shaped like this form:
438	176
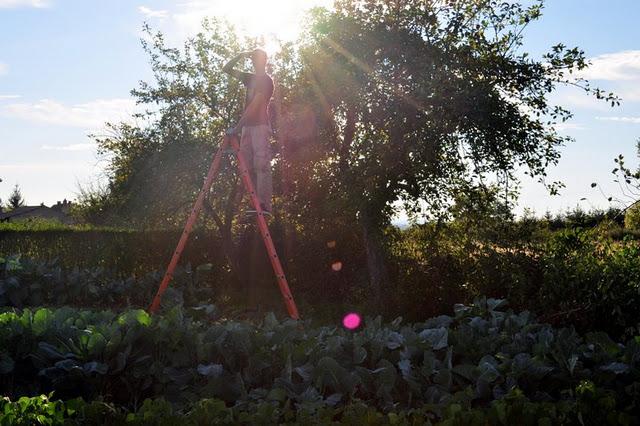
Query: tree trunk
376	265
282	136
349	134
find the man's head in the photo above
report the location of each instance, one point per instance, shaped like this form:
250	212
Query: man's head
259	59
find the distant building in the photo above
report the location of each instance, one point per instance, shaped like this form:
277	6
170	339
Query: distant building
59	212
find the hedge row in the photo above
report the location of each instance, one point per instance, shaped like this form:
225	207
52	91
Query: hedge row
128	252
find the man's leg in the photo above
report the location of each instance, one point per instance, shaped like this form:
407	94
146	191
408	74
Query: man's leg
250	264
262	165
246	150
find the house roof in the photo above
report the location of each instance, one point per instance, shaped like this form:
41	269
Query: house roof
21	211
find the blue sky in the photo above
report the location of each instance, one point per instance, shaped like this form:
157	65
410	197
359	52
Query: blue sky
66	66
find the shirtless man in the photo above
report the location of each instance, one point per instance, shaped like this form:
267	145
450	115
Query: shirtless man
254	124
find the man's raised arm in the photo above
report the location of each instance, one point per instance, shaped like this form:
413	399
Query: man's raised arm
228	68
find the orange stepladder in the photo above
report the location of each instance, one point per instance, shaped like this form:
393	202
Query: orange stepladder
229	142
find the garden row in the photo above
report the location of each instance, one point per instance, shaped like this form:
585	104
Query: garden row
483	365
514	408
30	283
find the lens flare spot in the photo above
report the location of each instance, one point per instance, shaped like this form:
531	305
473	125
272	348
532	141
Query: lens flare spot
336	266
331	244
351	321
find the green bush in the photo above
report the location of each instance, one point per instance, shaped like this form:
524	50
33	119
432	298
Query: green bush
570	277
588	277
122	251
632	218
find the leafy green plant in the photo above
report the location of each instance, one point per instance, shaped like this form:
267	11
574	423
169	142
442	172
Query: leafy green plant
40	410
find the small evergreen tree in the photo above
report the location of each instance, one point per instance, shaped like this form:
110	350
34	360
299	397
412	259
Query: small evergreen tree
15	198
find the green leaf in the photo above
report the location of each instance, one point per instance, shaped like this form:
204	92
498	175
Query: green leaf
95	367
49	351
67	365
494	304
615	367
488	371
304	371
41	319
333	399
210	370
466	371
143	317
386	377
394	340
436	337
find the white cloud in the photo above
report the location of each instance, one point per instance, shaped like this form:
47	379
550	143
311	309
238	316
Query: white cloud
90	115
617	72
631	92
635	120
565	127
624	65
24	3
72	147
5	97
150	13
572	97
3	68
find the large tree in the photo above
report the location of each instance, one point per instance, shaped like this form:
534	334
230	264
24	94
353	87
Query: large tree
422	100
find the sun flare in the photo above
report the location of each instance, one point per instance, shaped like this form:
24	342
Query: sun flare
272	21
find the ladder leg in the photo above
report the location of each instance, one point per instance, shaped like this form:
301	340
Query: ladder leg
193	216
264	231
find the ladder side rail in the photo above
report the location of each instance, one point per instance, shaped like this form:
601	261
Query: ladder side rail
264	231
193	216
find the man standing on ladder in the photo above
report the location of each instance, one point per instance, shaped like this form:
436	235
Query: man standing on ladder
254	125
253	152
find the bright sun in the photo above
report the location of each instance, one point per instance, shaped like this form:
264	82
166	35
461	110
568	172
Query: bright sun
272	20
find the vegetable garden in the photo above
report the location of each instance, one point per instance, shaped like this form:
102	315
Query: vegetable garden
76	362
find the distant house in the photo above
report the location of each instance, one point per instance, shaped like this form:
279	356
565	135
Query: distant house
59	212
